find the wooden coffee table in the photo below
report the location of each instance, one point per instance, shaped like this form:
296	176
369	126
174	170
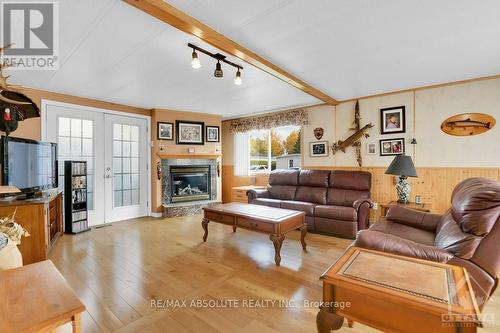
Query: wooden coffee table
397	294
274	221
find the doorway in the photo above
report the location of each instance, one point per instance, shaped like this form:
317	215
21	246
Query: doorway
115	147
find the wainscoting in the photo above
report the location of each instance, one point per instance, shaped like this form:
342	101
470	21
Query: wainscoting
435	185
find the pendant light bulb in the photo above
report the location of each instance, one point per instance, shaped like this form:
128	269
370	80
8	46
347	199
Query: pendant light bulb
195	62
218	70
237	79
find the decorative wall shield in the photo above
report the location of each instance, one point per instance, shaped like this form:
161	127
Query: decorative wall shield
467	124
318	133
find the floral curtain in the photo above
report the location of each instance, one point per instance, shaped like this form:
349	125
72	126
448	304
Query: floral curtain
285	118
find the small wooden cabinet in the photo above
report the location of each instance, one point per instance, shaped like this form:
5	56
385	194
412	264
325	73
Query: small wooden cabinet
239	193
42	218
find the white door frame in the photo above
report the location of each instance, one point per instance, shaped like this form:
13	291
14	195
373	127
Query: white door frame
43	117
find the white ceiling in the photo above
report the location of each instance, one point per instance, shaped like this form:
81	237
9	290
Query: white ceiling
114	52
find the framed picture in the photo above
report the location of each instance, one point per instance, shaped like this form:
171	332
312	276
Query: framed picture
392	120
318	148
391	147
371	148
165	131
189	132
212	133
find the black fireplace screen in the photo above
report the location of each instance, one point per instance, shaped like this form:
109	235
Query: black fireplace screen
190	183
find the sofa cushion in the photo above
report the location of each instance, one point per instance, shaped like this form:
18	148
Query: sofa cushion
415	235
336	227
351	180
284	177
318	178
336	212
311	194
340	197
301	206
282	192
267	202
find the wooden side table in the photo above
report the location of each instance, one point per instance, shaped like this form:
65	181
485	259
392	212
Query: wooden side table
239	193
423	207
397	294
36	298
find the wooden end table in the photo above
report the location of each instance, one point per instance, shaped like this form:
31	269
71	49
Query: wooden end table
274	221
423	207
36	298
397	294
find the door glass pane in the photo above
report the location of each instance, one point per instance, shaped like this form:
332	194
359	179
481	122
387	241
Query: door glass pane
76	143
125	165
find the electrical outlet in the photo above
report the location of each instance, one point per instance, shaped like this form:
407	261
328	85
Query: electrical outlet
375	205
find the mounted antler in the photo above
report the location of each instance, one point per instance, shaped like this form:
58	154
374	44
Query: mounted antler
4	86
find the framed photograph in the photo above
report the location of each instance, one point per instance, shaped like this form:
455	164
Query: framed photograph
212	133
318	148
189	132
371	148
165	131
392	120
392	147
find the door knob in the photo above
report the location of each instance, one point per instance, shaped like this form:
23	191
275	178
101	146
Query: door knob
107	176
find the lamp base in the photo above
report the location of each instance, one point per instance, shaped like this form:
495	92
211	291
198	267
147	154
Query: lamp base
404	189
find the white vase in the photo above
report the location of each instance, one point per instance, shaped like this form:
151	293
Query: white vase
10	257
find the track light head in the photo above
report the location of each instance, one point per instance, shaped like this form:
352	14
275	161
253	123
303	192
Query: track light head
237	79
195	62
218	70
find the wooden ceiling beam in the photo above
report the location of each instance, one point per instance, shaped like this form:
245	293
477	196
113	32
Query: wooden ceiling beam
180	20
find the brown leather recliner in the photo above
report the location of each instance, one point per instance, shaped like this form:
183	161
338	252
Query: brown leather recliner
467	235
335	202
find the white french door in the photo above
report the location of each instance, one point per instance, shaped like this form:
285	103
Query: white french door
125	186
115	148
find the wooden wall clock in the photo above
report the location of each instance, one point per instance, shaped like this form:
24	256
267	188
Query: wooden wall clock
467	124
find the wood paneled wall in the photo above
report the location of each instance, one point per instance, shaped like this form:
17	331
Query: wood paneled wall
435	185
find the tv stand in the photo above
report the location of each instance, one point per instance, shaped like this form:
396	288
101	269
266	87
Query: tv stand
42	218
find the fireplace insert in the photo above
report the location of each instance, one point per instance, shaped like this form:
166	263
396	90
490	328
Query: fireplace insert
190	183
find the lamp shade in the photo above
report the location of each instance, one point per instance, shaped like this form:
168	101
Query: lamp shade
402	165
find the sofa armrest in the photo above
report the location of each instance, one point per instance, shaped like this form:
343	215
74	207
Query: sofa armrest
380	241
362	207
413	218
257	193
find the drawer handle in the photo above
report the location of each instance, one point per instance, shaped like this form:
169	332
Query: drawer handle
253	225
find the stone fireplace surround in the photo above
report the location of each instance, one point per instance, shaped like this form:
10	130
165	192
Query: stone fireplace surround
190	207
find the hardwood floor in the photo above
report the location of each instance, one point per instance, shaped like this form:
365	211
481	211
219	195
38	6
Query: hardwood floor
118	269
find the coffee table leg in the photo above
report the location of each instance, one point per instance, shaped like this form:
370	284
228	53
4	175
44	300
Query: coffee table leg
303	232
204	224
77	323
277	241
327	321
234	227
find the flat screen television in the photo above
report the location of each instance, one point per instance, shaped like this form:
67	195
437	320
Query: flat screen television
29	165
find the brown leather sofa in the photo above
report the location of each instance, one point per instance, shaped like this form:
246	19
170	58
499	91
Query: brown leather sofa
468	234
335	202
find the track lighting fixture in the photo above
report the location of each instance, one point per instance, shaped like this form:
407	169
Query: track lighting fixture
195	63
218	70
237	79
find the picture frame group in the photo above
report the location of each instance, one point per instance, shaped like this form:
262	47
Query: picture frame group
188	132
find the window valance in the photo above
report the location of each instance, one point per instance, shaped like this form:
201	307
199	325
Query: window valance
286	118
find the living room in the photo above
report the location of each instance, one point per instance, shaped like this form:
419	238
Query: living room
231	166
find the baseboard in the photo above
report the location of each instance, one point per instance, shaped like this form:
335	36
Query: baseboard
154	214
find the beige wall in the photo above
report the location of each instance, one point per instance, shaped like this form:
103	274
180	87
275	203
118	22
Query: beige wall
169	146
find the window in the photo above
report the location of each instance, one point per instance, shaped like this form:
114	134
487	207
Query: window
76	142
278	148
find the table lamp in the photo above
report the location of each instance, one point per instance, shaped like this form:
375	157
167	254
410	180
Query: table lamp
403	167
